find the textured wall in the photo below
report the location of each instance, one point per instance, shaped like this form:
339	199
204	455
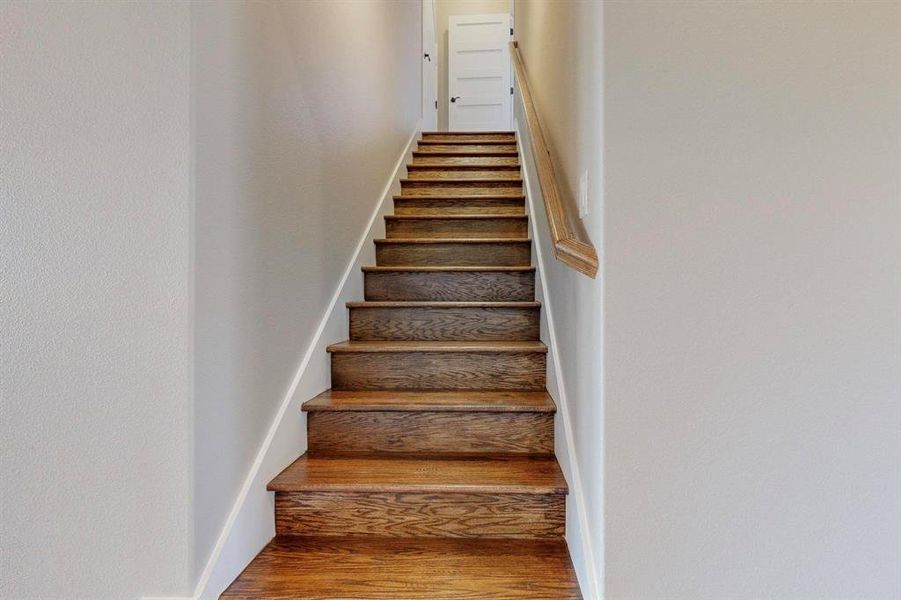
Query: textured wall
561	46
301	110
95	315
753	278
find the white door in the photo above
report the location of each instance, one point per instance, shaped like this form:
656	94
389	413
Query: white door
478	70
429	67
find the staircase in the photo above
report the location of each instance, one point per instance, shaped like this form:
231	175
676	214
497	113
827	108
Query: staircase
430	471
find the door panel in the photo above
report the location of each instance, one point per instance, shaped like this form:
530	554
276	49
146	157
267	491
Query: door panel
479	73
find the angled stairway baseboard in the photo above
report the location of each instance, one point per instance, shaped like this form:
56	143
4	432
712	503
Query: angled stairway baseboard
569	461
250	524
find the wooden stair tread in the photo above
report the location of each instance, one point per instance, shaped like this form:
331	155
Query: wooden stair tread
437	401
374	568
486	141
447	269
494	194
443	152
452	240
429	346
467	180
440	304
453	133
478	217
416	473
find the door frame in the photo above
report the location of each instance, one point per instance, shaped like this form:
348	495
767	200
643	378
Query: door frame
429	58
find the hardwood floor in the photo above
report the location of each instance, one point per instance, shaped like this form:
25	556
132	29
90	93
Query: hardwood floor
430	469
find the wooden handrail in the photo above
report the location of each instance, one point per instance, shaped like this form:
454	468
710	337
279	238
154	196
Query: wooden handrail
568	247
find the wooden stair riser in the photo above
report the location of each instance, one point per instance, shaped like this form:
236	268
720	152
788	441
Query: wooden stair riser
430	432
513	226
503	254
467	139
431	152
450	515
468	147
455	205
434	174
439	370
450	187
464	164
469	135
450	286
438	323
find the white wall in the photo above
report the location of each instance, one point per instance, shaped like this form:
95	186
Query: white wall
301	110
294	115
561	46
753	284
449	8
95	378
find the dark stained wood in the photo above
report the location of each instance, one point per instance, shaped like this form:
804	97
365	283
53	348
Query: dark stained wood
482	321
438	365
465	162
457	205
439	371
449	136
457	226
421	515
453	252
466	189
470	147
381	568
466	347
467	284
451	401
417	474
407	432
465	142
458	151
434	174
437	185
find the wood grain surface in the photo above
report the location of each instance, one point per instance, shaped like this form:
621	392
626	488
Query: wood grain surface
420	474
431	432
456	205
500	285
380	568
452	401
454	252
421	515
490	226
443	321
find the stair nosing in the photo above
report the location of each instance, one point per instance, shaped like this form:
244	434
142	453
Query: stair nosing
453	240
468	347
459	197
465	401
456	217
442	180
447	269
560	487
441	304
453	133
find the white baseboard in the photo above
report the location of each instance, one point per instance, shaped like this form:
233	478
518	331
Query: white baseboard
584	559
250	524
